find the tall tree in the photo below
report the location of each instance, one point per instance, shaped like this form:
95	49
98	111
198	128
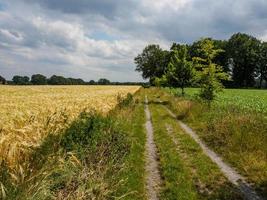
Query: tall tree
210	73
262	67
2	80
152	62
243	50
180	71
221	57
38	79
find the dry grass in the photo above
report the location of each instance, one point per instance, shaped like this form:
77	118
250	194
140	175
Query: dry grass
29	113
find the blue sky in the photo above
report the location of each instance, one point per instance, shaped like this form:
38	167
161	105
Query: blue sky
92	39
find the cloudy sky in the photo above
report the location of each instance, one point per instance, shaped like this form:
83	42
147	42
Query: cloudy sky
91	39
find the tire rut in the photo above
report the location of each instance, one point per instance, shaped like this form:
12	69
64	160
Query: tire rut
153	178
232	175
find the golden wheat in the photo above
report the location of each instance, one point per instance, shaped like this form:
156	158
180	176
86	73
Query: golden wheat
29	113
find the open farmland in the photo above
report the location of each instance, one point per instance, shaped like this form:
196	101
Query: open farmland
28	114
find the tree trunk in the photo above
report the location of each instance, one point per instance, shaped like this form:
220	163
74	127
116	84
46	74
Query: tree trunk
182	91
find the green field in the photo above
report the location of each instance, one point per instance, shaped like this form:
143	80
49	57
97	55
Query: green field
245	99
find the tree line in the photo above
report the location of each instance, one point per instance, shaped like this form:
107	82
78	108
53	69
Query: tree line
39	79
241	61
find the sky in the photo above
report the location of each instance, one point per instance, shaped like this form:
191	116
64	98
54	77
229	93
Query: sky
92	39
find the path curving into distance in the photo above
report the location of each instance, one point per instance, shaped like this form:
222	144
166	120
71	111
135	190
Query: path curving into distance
233	176
153	178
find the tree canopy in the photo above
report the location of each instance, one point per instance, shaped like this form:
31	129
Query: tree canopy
21	80
243	57
244	51
152	62
2	80
180	71
38	79
210	74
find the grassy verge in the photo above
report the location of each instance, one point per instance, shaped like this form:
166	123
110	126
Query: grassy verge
94	158
238	135
187	172
133	119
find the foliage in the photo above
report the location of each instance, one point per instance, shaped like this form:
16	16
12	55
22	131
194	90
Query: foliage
103	81
124	101
21	80
262	67
180	71
209	74
243	57
2	80
244	51
38	79
152	62
219	59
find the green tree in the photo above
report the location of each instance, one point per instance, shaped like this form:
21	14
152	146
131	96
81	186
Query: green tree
38	79
103	81
58	80
180	71
76	81
210	74
244	51
221	57
262	67
2	80
21	80
152	62
91	82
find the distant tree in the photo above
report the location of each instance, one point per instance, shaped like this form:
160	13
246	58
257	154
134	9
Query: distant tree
38	79
180	71
76	81
2	80
210	74
58	80
21	80
92	82
152	62
244	51
262	67
103	81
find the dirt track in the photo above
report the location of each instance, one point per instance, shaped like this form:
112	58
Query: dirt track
153	179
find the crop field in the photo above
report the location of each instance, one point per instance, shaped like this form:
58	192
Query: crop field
30	113
245	99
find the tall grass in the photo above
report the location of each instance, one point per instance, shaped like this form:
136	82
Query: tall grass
32	116
234	131
83	162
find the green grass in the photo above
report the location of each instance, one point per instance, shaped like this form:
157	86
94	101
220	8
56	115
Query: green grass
245	99
187	172
133	173
237	133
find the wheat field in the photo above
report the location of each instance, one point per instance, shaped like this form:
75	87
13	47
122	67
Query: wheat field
29	113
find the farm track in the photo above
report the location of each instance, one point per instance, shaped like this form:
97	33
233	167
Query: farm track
233	176
153	178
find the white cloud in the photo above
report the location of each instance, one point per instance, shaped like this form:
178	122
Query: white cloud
93	39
